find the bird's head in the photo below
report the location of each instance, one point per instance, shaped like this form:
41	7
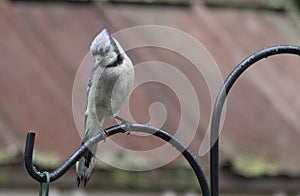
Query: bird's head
105	49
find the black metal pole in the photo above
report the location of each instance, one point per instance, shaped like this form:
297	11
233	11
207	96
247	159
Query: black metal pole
231	79
40	177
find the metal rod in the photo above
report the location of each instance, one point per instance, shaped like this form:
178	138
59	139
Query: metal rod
57	173
214	153
231	79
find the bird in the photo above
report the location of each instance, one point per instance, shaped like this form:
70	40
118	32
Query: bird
109	86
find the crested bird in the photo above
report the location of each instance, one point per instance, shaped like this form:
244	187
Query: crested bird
110	83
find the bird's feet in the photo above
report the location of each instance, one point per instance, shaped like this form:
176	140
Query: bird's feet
128	125
103	133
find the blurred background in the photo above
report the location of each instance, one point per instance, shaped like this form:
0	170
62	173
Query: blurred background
42	44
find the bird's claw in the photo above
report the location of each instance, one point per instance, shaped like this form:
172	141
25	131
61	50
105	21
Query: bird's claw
104	134
128	125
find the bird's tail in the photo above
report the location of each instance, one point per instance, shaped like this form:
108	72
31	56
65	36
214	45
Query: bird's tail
85	165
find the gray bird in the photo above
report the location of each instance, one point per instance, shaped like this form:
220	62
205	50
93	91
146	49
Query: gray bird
109	86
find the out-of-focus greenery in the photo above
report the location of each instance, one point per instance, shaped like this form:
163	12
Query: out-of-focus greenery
10	155
3	176
297	3
46	160
253	166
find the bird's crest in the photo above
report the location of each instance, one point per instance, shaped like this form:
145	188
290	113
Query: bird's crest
101	43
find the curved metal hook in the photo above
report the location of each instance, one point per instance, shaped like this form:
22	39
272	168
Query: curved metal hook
57	173
231	79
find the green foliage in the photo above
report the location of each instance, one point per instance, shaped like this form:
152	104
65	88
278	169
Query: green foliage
46	160
297	3
253	166
3	176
